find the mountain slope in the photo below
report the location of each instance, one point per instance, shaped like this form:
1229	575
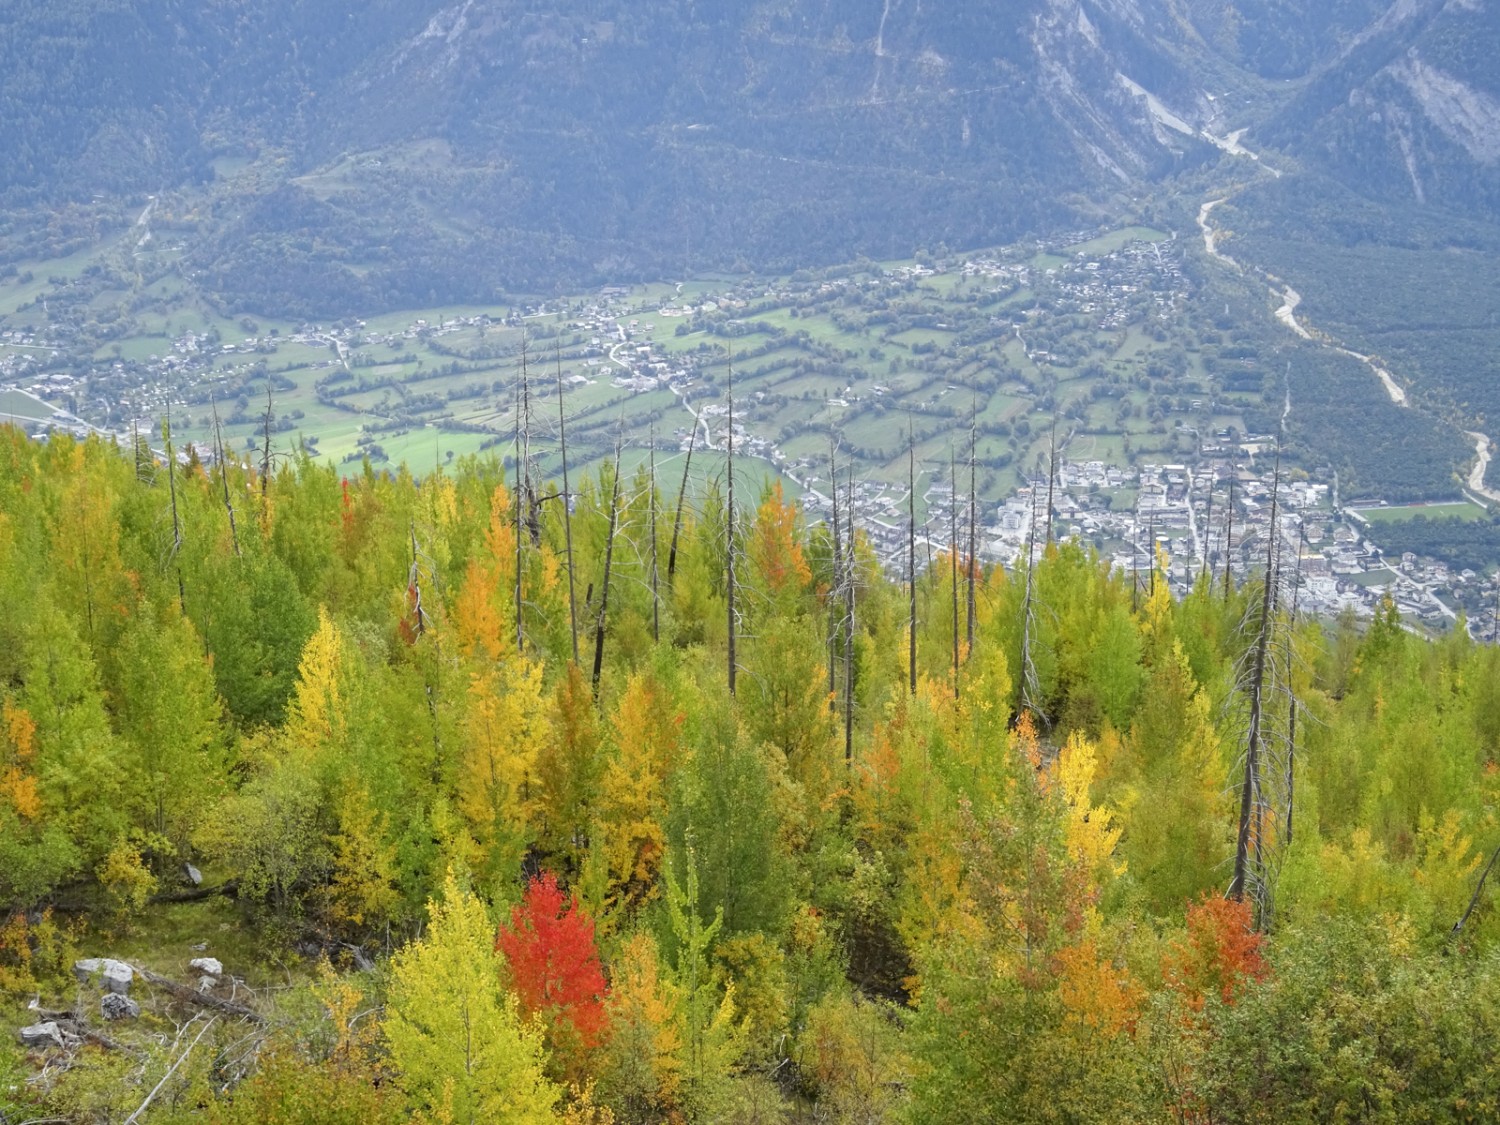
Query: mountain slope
450	150
1410	111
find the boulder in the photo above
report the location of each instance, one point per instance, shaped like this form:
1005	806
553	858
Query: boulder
209	966
113	1006
42	1035
115	975
194	876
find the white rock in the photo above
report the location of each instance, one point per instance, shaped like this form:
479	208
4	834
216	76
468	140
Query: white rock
42	1035
115	975
209	965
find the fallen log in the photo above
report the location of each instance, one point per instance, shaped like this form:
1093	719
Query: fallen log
201	999
230	889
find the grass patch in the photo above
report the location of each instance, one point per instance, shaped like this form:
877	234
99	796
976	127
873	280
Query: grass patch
1116	240
1464	510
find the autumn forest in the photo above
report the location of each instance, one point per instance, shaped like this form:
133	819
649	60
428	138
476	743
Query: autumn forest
638	798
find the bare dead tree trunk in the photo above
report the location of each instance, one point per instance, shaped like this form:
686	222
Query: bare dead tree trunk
1051	476
1229	536
972	607
1495	613
1474	899
1135	561
609	554
522	484
265	464
166	434
681	496
414	584
911	558
567	499
222	457
1291	719
953	556
655	593
849	578
1031	689
835	626
729	531
135	448
1246	840
1151	555
1208	527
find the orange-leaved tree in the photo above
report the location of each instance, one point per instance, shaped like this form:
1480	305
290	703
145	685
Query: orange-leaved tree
1219	956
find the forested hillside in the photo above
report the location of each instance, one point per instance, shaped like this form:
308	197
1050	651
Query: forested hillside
737	846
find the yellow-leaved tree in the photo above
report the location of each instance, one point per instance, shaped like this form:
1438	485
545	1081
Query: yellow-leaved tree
455	1035
632	801
504	731
318	716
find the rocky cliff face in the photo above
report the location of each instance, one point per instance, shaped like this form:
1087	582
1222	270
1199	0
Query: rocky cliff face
1409	111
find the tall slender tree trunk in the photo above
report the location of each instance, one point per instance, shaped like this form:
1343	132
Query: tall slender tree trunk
522	440
1030	688
729	533
655	593
972	607
414	583
835	608
222	457
1247	840
1151	554
849	579
1051	476
953	556
911	560
681	496
166	434
1291	694
1208	525
1229	536
567	499
265	464
609	555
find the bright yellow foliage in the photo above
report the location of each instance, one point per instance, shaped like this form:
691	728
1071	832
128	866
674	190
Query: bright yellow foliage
316	718
362	889
20	729
645	1045
505	729
632	797
1095	993
455	1036
17	746
1091	832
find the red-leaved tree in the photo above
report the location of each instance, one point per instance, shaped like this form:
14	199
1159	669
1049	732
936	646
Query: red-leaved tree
555	970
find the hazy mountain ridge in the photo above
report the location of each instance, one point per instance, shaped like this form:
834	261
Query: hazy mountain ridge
451	150
585	141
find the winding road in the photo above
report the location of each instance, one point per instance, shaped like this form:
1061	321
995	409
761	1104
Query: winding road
1286	313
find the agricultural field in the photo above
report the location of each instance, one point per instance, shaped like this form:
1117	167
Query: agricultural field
1089	346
